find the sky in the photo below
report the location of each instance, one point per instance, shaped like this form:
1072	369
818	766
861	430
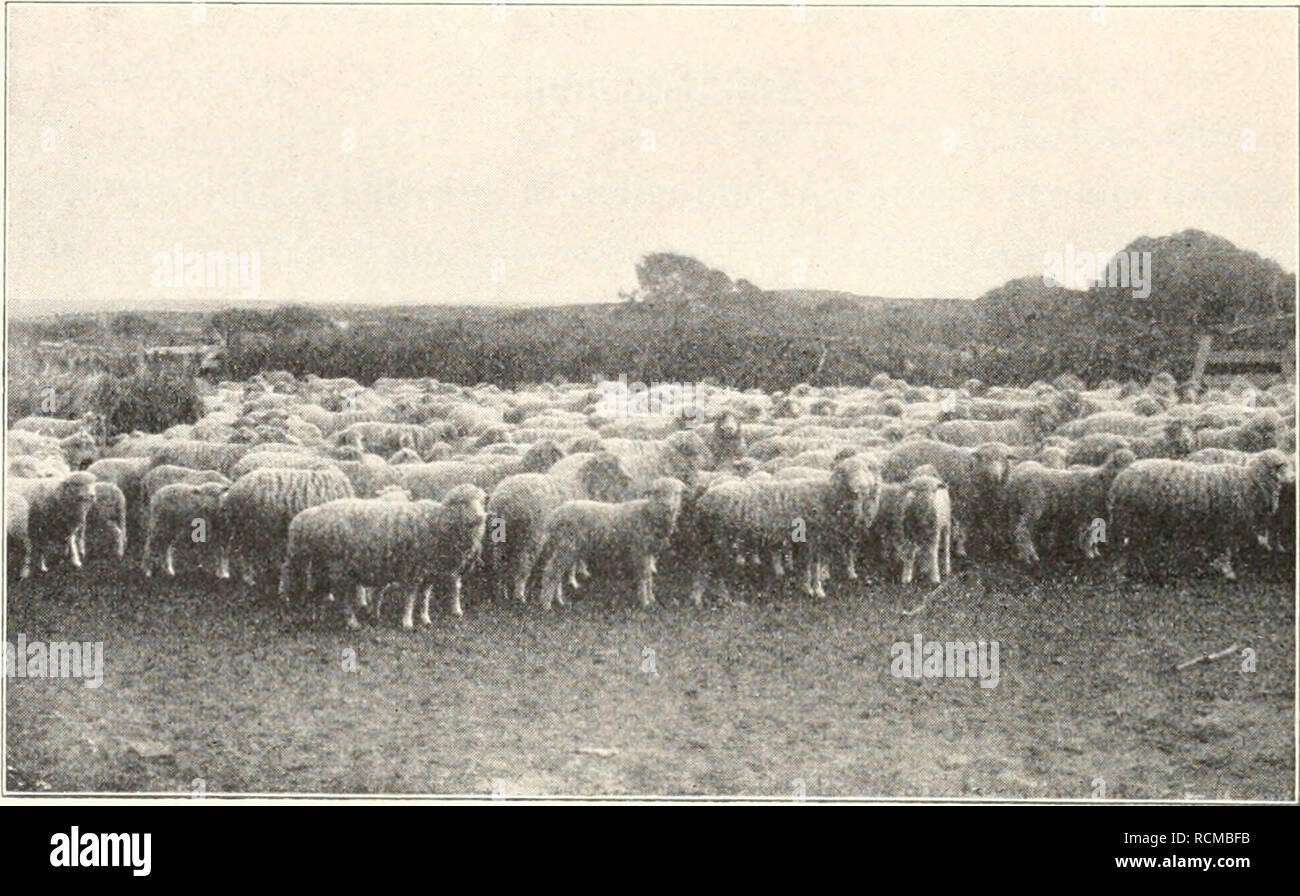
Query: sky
531	156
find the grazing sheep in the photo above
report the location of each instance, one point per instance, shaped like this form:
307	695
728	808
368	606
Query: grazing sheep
259	506
188	514
812	518
1159	507
172	475
1057	506
57	509
385	438
341	546
631	532
105	522
128	474
432	481
519	504
279	460
1259	433
220	456
56	426
16	535
974	477
28	466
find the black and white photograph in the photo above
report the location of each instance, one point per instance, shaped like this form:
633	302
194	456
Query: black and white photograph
650	403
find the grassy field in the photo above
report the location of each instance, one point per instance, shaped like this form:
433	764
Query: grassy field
770	696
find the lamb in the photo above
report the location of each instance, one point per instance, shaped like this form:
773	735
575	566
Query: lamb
631	531
57	509
17	512
914	516
167	474
763	515
519	504
1059	506
105	521
1156	505
340	546
974	477
257	510
183	512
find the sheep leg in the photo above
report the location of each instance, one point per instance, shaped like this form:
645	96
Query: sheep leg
119	534
408	613
851	567
72	550
223	565
80	535
456	609
932	560
908	554
947	550
169	563
645	581
820	573
959	536
581	568
573	577
146	562
27	561
778	568
1024	541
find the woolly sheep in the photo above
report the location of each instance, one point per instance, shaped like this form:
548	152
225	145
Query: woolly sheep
171	475
57	509
974	477
106	522
27	466
518	506
200	455
56	426
1058	506
279	460
340	546
1155	504
259	506
184	513
432	481
632	532
765	516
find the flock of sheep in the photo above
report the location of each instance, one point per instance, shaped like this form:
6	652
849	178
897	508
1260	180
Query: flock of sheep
329	492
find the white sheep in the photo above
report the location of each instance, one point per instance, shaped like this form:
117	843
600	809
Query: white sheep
629	532
57	509
342	546
1057	506
1159	506
183	512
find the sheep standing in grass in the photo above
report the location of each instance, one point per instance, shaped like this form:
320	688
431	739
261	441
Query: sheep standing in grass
105	522
812	518
1046	506
220	456
974	477
16	535
632	532
258	508
342	546
519	504
432	481
1159	507
914	517
57	510
184	513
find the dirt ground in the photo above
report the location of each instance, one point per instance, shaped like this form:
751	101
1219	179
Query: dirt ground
774	696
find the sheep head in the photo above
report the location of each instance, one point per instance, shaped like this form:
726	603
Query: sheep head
541	456
855	491
1270	470
604	478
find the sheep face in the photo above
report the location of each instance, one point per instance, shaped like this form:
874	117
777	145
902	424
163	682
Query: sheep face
77	493
604	479
1270	470
79	449
992	463
855	491
468	500
541	457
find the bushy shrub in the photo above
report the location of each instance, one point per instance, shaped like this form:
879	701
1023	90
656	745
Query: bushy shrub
151	402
